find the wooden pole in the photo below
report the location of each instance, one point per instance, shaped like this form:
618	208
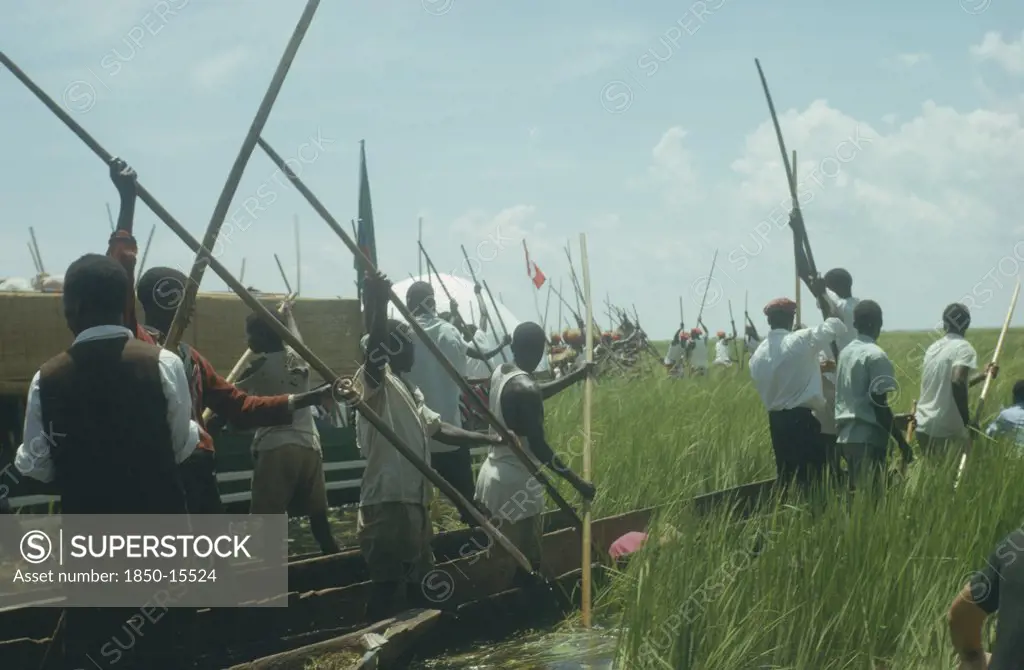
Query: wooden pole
799	317
241	273
482	409
988	384
501	319
298	259
35	245
145	254
220	211
419	256
547	305
110	218
35	261
588	396
703	300
284	277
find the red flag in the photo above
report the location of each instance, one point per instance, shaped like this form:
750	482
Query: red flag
532	271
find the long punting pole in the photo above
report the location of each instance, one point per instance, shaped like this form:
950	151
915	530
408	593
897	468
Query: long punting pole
220	211
298	259
703	300
799	303
241	273
988	384
282	331
419	257
35	245
588	396
497	312
482	409
110	218
145	253
284	276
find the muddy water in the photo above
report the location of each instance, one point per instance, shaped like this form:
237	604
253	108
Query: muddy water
562	649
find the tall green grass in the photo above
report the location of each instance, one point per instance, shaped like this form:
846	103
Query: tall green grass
849	584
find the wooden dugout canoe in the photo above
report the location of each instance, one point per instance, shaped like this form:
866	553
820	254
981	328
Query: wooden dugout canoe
223	637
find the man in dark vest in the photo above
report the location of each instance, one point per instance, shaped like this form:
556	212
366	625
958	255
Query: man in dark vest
108	421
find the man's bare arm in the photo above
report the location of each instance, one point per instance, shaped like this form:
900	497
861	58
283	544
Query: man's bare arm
966	620
523	408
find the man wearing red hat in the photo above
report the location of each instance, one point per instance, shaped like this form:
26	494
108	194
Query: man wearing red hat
787	377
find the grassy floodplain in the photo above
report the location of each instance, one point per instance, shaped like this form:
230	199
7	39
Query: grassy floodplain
849	585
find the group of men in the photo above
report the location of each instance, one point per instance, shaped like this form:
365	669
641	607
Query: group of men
821	409
688	351
117	408
407	385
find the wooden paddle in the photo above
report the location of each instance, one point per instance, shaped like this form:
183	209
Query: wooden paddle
588	395
220	211
482	409
988	384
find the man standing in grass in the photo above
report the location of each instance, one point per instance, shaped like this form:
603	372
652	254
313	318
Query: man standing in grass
675	360
787	377
943	416
699	351
1010	421
997	587
722	355
864	378
839	295
394	525
512	495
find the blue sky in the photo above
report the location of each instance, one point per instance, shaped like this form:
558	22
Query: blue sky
640	124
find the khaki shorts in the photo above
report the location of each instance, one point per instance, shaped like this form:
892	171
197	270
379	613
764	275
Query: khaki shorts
526	535
395	540
289	478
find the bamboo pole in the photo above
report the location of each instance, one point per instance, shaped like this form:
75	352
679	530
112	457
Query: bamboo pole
284	277
220	211
35	245
298	259
588	396
110	218
419	257
547	306
988	384
481	407
35	261
501	319
799	303
703	300
241	273
145	254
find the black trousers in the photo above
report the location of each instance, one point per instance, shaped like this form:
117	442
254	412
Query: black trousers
457	469
799	449
199	478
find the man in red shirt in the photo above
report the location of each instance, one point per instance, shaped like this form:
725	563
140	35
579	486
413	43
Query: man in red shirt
160	291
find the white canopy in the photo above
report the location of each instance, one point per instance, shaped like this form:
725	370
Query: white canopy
462	290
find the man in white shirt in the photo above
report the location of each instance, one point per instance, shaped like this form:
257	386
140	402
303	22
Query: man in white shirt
839	294
787	376
722	355
699	351
108	421
440	392
943	415
394	525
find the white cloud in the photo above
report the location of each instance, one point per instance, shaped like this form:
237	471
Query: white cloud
1009	55
932	201
212	72
912	59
